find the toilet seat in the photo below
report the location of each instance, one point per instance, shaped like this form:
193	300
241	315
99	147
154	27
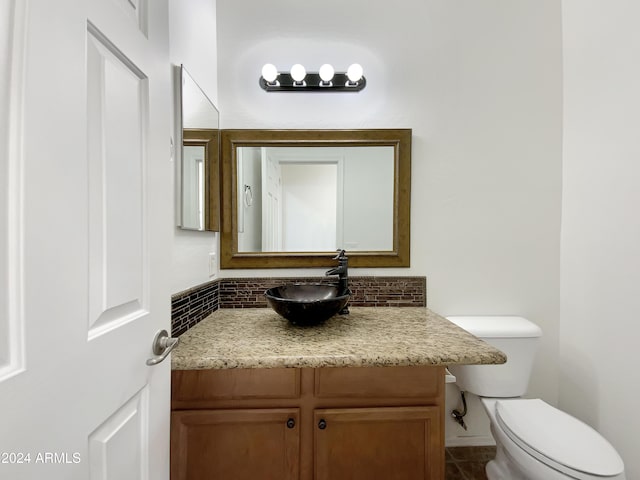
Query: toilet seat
557	439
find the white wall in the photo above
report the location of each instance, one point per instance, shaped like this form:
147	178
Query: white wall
480	84
600	290
368	198
192	31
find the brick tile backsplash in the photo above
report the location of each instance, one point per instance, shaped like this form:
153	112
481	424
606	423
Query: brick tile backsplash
195	304
366	291
191	306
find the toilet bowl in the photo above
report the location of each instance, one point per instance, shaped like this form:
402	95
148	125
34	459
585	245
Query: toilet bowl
539	441
534	440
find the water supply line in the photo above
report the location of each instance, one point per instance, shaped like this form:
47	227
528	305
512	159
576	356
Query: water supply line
459	416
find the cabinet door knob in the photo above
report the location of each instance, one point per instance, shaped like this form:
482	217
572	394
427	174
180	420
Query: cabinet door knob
291	423
322	424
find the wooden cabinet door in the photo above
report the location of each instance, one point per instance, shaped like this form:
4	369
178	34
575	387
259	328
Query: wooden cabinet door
399	443
235	444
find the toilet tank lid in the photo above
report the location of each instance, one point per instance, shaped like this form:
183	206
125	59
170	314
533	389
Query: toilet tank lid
497	326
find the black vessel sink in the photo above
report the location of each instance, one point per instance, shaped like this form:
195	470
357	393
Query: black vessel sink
308	303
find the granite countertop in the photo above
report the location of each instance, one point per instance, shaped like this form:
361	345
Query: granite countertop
368	336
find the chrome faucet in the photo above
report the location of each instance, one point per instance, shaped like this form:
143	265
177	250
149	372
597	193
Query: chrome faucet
342	271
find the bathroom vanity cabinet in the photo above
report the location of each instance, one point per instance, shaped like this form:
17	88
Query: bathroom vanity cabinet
360	397
308	423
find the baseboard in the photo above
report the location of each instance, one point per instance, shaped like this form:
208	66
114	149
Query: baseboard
470	441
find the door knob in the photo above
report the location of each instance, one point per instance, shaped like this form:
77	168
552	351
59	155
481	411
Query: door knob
162	346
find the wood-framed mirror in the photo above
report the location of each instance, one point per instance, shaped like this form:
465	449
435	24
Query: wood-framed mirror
291	198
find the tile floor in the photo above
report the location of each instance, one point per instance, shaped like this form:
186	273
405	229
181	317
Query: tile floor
467	463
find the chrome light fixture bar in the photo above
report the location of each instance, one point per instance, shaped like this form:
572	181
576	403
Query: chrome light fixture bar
325	80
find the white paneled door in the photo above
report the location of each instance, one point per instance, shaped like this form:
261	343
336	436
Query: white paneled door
85	225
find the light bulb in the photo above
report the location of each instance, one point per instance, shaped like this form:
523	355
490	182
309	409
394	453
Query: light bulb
354	72
269	72
298	72
326	72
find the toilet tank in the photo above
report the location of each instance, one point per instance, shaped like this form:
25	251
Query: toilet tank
517	337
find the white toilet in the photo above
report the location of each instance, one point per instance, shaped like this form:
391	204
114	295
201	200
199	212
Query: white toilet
534	440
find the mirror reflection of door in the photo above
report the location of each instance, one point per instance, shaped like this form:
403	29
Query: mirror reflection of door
310	206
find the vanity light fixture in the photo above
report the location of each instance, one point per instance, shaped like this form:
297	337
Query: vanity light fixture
325	80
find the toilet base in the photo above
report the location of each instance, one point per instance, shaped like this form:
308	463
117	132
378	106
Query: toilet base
496	472
502	466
